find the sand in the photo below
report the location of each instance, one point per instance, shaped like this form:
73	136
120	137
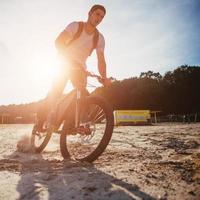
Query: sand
141	162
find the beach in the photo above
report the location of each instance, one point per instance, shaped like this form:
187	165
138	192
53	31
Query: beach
161	161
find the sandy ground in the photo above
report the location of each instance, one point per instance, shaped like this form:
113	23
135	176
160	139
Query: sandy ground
141	162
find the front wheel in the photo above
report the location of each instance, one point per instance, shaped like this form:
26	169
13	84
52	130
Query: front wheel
40	139
89	140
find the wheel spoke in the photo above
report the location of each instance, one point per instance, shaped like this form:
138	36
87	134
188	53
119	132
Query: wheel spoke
93	112
99	117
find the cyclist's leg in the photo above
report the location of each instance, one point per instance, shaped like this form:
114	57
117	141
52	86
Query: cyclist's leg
79	80
50	101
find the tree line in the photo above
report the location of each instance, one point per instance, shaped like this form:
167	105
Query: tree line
176	92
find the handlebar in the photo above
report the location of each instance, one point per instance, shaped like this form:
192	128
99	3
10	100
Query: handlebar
99	78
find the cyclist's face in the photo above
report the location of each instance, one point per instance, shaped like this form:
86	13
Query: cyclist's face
96	17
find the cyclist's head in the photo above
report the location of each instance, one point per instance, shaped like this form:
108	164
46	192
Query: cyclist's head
97	6
96	14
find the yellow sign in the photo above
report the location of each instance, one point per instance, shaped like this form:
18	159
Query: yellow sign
131	116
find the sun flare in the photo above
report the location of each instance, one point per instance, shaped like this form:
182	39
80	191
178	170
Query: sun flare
43	69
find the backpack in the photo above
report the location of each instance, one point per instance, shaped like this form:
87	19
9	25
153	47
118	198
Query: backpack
78	33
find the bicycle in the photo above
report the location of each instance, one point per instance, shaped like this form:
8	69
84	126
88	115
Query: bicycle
85	125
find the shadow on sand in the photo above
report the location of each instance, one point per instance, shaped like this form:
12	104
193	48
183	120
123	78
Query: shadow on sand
55	179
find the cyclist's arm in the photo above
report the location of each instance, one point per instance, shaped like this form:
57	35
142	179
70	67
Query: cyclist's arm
62	40
64	37
100	56
102	68
101	64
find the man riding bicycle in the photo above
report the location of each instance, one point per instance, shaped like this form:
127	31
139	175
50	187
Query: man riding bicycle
75	44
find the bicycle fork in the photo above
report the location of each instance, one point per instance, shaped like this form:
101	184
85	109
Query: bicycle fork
78	96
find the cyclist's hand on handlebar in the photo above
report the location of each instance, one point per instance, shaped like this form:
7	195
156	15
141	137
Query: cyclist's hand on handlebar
105	81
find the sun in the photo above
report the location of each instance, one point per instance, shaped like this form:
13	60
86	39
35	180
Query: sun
44	73
44	67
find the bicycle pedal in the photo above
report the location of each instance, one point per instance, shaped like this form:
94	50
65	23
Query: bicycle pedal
84	130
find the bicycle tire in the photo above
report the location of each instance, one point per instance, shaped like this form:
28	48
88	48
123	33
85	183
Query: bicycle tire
107	109
41	147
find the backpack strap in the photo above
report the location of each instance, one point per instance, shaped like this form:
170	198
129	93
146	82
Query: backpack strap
95	41
78	33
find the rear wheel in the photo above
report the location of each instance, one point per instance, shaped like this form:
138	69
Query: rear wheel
88	142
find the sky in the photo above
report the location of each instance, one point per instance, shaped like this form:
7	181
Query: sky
140	35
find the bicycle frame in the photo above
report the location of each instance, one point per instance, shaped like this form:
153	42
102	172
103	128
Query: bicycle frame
77	97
